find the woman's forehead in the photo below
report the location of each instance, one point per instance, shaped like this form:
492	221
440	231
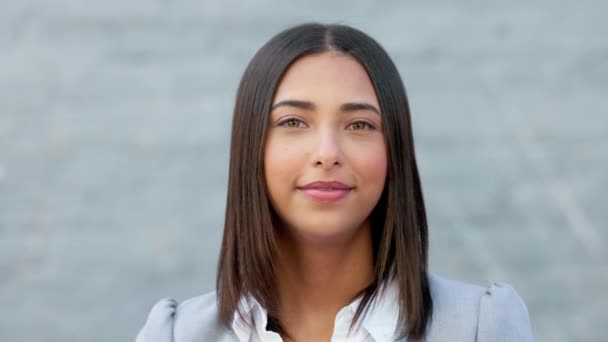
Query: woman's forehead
325	78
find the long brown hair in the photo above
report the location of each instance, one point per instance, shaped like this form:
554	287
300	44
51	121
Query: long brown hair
399	225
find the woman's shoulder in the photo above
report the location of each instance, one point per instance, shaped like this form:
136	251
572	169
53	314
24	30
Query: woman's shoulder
467	312
461	312
185	321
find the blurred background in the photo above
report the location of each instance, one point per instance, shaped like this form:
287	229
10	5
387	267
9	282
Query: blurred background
114	140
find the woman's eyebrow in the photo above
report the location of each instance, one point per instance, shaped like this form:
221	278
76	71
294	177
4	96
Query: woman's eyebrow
355	106
345	107
294	103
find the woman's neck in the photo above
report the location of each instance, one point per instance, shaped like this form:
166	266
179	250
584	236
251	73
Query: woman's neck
316	280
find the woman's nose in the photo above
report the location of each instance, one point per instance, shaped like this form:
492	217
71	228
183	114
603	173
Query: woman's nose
328	151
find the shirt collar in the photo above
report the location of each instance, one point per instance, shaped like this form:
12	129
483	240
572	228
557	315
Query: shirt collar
380	320
253	313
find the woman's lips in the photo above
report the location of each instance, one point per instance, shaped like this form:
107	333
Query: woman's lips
326	195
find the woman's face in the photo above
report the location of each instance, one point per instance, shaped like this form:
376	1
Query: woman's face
325	126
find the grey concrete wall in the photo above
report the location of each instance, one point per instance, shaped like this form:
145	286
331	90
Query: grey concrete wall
114	123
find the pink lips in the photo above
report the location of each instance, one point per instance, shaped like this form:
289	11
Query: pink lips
326	191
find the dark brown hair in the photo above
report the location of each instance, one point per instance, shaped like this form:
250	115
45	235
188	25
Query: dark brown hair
399	226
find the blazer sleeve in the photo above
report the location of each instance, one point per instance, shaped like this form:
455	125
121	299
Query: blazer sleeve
159	325
503	316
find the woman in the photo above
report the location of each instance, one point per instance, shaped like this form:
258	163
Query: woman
325	234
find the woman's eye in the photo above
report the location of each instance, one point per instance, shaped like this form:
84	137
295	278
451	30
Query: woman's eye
361	125
291	123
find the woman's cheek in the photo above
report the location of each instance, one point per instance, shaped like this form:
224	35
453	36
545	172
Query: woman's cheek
281	162
370	161
377	166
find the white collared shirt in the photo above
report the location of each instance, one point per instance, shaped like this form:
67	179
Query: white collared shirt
377	326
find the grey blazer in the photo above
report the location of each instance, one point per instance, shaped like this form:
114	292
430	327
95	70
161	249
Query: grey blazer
461	313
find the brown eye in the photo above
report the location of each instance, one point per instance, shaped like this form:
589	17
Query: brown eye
291	123
361	125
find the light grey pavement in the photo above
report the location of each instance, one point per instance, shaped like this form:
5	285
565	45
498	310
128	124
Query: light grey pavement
114	123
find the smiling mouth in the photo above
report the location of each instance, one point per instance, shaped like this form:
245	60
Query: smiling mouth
325	194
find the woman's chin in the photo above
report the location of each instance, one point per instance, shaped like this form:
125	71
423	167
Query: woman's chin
326	233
